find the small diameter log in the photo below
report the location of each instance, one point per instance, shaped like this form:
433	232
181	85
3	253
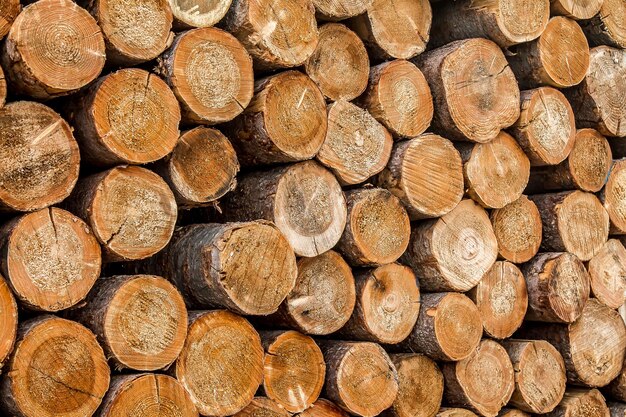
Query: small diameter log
502	299
131	210
356	145
518	229
275	40
50	258
294	369
339	65
612	196
53	48
360	377
454	412
448	328
482	382
586	168
211	74
617	409
573	221
9	9
335	10
283	195
140	320
129	116
607	27
378	228
189	14
576	9
397	30
56	369
221	364
398	96
387	305
559	57
607	272
146	395
263	407
546	128
581	402
453	253
39	156
8	321
285	122
323	408
474	90
539	375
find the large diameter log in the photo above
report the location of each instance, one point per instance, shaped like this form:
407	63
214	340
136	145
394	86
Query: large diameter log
64	50
360	377
453	253
283	195
50	258
573	221
9	9
502	299
131	211
189	14
426	174
474	90
387	305
607	26
607	272
285	122
39	156
221	364
211	74
454	412
57	369
140	320
323	408
539	375
482	382
294	369
559	57
612	196
518	229
581	402
448	328
377	230
335	10
129	116
8	321
263	407
576	9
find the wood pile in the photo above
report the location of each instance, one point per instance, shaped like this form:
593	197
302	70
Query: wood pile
313	208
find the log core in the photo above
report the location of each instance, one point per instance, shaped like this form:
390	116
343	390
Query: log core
612	197
518	229
576	9
9	9
607	27
8	321
340	9
194	13
607	271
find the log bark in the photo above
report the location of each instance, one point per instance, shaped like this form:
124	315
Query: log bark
518	230
56	369
8	321
64	49
323	408
578	402
8	12
576	9
50	258
426	174
573	221
616	390
474	90
263	407
607	26
335	10
453	253
617	409
607	272
612	197
195	13
454	412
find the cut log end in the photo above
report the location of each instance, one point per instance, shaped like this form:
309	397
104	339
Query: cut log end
578	402
263	407
576	9
189	14
607	271
340	9
325	408
518	229
611	196
8	322
607	26
454	412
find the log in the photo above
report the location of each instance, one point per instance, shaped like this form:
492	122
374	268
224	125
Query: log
56	369
8	12
452	253
275	40
512	412
607	272
139	320
131	211
201	169
474	90
576	9
454	412
222	350
616	390
218	81
617	409
558	58
502	299
54	47
129	116
377	230
539	375
586	168
607	26
143	395
50	258
285	122
394	30
283	195
356	145
339	65
190	14
398	96
360	377
263	407
335	10
482	382
294	369
546	128
573	221
39	156
496	172
323	408
426	174
8	321
612	197
448	328
387	305
518	230
581	402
